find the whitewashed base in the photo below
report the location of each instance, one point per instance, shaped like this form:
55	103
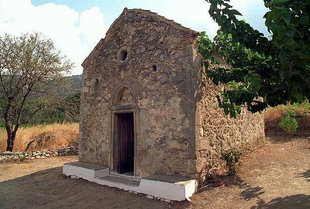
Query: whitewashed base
162	187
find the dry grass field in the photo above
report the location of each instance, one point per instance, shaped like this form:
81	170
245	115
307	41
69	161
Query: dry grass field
273	117
51	136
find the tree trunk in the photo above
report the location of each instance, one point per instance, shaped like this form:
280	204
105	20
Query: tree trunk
10	143
11	135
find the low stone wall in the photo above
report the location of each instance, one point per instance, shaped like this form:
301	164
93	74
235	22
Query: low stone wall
21	156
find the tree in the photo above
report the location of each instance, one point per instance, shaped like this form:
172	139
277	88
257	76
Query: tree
264	72
30	68
61	109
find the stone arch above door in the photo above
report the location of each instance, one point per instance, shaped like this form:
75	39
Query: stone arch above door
124	96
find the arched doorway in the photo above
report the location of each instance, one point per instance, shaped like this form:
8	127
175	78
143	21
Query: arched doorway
123	146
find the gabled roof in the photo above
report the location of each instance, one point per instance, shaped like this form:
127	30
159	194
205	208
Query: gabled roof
146	13
157	17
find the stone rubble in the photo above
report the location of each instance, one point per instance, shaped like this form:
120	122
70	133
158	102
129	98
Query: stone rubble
21	156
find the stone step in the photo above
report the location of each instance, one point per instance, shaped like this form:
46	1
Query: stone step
120	180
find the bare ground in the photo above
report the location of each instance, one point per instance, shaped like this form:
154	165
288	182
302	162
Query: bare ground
275	176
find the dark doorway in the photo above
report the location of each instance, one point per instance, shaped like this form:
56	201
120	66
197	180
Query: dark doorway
124	144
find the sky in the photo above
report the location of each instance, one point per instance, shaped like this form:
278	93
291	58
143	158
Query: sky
75	26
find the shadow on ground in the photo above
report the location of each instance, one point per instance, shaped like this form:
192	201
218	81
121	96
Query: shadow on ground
298	201
283	138
305	175
51	189
221	180
247	191
251	192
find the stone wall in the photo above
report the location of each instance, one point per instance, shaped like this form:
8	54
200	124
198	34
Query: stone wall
21	156
157	73
216	132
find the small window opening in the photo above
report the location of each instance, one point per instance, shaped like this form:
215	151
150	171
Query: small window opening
154	68
123	55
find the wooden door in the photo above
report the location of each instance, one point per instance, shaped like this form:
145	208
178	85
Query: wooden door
125	144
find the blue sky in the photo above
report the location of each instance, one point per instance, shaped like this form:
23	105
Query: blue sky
110	8
76	26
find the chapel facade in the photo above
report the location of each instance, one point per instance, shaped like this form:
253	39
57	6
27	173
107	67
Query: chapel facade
147	106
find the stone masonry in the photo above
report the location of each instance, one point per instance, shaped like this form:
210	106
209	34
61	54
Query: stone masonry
150	66
21	156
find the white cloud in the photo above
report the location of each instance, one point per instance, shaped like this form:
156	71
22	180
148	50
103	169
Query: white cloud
74	33
195	13
89	20
190	13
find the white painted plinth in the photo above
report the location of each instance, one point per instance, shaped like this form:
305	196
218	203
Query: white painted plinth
163	187
85	170
178	190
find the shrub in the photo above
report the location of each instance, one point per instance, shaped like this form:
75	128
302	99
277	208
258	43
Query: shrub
231	157
289	123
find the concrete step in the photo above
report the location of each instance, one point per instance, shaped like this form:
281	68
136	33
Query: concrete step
121	180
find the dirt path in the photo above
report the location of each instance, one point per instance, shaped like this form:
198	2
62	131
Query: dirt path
276	176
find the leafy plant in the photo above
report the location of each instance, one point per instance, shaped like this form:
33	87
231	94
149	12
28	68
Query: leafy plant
231	158
263	71
289	123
